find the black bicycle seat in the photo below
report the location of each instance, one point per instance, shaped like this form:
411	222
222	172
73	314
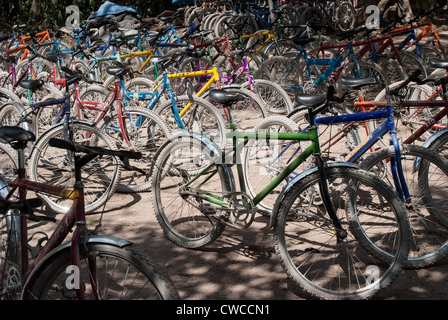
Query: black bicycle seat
302	41
357	83
439	63
311	100
11	135
225	97
31	84
195	53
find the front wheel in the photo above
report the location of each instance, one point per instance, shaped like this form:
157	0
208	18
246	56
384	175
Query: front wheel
188	192
122	273
55	167
425	173
330	268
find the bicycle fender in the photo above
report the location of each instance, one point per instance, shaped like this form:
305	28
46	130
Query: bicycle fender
214	149
296	180
427	143
97	239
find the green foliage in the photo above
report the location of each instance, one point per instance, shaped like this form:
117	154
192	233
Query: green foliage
52	12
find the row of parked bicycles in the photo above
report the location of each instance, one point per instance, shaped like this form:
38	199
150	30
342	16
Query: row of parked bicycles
336	137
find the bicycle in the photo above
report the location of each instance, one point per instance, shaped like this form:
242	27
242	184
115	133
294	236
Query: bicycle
340	14
416	173
99	262
195	197
103	176
301	73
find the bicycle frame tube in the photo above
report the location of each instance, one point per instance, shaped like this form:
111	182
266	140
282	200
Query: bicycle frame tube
387	126
215	78
406	104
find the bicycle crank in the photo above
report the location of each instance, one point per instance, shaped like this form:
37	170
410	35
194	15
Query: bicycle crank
241	211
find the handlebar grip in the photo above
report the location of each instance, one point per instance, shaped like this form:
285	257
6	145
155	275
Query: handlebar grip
133	154
62	144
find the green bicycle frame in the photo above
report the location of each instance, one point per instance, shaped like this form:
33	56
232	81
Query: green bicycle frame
313	148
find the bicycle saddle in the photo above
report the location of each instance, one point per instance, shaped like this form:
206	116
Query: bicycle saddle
439	63
12	135
226	97
195	53
311	100
159	59
302	41
31	84
116	71
54	57
355	83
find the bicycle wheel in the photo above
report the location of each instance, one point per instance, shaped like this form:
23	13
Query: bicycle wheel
440	144
123	273
276	99
345	16
8	160
280	48
55	166
146	132
248	112
321	265
426	177
185	213
283	71
264	159
11	272
411	62
202	117
368	70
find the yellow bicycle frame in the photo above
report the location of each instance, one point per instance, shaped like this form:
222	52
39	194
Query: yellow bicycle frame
215	78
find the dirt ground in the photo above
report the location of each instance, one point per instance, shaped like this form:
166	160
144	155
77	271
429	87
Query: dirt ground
241	265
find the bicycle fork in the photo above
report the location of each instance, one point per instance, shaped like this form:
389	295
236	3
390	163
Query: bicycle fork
341	234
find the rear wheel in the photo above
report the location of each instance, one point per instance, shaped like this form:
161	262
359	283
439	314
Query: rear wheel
348	268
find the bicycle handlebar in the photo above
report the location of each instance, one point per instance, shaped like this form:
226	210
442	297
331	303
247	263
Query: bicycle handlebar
75	147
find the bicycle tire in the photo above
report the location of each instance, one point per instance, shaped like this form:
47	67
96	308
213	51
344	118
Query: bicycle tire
260	161
100	177
440	144
306	244
184	218
146	132
349	21
426	209
202	117
128	263
275	97
248	112
10	254
9	164
276	70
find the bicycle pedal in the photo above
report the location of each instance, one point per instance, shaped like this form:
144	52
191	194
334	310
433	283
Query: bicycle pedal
207	208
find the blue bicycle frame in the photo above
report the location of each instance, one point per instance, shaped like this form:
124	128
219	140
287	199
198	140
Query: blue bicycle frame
387	126
332	64
408	39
